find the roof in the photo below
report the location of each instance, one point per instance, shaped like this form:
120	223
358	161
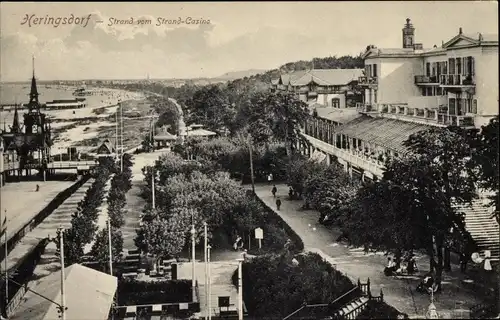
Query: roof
165	136
200	133
388	133
89	295
287	77
338	115
328	77
106	144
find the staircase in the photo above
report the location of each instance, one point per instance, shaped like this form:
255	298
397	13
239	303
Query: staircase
353	308
482	226
347	306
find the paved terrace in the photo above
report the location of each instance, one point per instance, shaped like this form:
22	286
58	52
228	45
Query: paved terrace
60	217
453	302
221	273
21	202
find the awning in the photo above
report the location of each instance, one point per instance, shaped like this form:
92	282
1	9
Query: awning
387	133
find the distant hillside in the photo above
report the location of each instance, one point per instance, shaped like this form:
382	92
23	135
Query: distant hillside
233	75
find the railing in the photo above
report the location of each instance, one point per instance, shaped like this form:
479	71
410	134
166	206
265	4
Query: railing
456	80
367	80
426	79
360	107
452	120
51	165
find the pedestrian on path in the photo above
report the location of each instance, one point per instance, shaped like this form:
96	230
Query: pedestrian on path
274	190
463	262
278	203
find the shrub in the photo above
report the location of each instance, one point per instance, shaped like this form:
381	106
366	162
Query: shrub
274	286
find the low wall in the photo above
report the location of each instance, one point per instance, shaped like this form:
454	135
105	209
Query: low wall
42	215
21	277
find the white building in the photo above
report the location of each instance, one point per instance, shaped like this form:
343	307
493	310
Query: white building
455	84
406	90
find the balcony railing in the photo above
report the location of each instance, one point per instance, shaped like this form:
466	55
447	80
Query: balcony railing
367	80
426	79
457	80
361	107
451	120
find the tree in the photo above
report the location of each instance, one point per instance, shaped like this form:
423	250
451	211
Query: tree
100	248
411	207
210	106
275	116
168	115
487	158
299	169
329	191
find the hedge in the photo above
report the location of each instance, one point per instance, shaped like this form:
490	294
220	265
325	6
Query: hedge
272	218
134	292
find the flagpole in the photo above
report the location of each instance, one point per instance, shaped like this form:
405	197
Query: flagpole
110	248
5	259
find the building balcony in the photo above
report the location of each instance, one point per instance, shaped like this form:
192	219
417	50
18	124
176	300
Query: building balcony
426	80
367	81
365	108
454	80
353	157
452	120
429	102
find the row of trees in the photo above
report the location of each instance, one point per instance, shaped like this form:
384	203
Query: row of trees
413	206
84	220
193	193
120	185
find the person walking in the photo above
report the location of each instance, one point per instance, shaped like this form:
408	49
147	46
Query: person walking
463	262
274	190
278	203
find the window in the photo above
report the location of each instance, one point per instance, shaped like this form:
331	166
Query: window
459	66
445	67
474	106
424	92
336	102
451	63
452	108
429	91
470	66
374	70
374	96
428	69
434	67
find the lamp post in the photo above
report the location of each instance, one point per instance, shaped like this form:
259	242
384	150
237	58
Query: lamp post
153	196
61	252
240	288
206	267
209	308
193	257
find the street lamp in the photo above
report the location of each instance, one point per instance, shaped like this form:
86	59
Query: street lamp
193	257
206	267
209	281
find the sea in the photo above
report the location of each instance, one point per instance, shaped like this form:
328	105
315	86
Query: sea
19	93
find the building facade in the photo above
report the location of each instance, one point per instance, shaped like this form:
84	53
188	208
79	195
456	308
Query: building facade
408	90
455	84
328	87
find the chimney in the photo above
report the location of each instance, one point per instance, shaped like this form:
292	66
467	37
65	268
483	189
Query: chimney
460	30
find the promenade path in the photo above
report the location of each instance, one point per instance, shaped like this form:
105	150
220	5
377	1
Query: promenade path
21	202
135	204
453	302
61	217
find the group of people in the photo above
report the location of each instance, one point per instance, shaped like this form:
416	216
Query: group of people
407	265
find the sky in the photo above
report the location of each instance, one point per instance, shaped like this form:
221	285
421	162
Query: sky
228	37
